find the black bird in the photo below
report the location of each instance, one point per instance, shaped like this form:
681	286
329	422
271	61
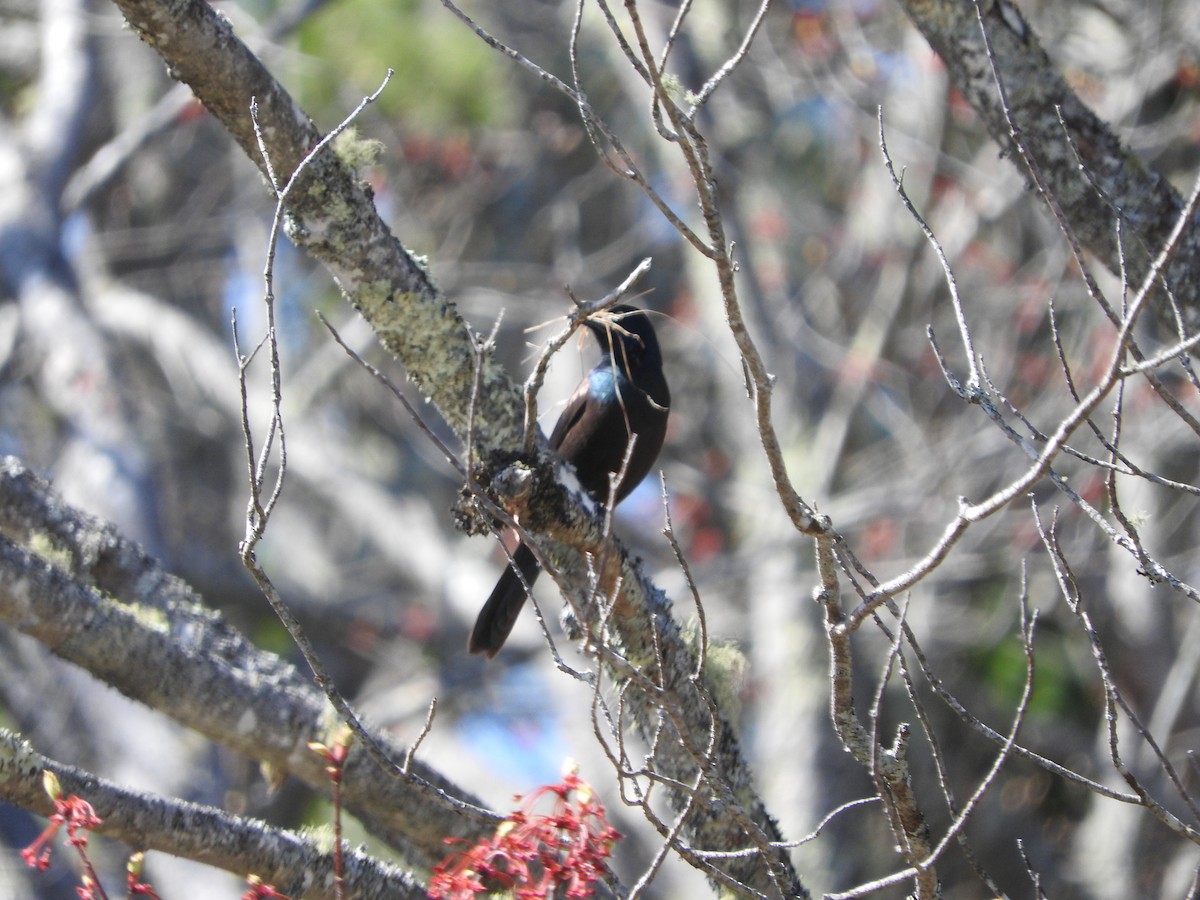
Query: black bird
624	394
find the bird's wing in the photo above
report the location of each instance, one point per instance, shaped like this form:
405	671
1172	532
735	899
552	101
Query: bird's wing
571	414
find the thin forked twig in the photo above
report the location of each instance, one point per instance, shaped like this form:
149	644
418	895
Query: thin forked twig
703	95
964	331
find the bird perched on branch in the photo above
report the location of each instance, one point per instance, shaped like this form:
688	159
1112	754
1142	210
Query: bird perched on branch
625	394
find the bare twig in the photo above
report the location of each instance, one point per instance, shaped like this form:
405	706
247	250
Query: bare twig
420	739
964	331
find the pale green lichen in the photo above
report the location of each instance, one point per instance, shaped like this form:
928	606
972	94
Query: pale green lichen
357	153
324	211
56	555
150	617
673	87
726	669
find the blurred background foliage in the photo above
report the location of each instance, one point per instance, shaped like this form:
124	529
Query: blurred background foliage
446	78
158	239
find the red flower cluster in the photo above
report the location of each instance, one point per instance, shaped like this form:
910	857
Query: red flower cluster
79	817
74	812
533	855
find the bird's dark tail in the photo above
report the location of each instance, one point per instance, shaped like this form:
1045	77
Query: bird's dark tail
499	614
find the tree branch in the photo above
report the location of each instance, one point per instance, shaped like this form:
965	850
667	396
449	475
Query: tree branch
237	844
1105	183
87	590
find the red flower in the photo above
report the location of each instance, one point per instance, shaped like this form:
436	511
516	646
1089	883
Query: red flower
533	855
74	812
